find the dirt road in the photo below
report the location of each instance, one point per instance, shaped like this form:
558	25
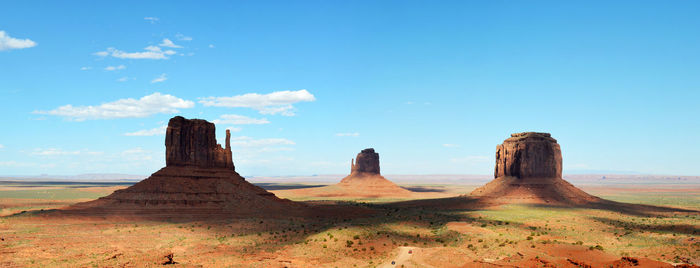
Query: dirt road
401	258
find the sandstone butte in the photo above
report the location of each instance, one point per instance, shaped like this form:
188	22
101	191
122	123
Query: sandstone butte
365	177
529	170
364	181
199	179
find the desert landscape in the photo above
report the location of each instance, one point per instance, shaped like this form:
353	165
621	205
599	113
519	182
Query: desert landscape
343	134
197	211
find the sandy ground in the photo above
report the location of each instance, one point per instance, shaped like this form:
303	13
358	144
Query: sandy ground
440	232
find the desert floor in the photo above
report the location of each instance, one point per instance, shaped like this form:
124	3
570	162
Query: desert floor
424	235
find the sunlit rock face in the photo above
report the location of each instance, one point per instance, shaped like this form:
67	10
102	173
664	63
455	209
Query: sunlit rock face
528	170
528	155
367	161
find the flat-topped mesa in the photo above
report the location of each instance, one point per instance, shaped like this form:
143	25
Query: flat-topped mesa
192	142
529	155
367	161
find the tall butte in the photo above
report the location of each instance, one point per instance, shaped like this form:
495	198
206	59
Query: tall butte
365	179
199	179
528	170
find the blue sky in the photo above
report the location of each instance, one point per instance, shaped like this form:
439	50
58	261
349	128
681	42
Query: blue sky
432	86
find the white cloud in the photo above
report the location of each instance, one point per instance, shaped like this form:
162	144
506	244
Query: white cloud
159	79
450	145
152	20
114	68
16	164
183	37
244	141
2	146
353	134
7	42
148	132
167	43
152	52
278	102
471	159
123	79
56	152
123	108
137	154
211	46
234	119
85	68
234	129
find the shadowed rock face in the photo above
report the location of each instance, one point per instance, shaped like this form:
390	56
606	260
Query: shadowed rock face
199	180
192	142
529	155
367	161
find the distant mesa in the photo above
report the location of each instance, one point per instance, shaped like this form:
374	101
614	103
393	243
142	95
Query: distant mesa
364	181
199	179
528	170
365	178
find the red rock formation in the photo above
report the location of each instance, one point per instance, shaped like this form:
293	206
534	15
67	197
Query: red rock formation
367	161
528	155
528	170
199	180
193	143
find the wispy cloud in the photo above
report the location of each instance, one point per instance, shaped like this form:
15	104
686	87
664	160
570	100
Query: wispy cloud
2	146
159	79
279	102
7	42
450	145
234	119
152	20
151	52
57	152
183	37
353	134
244	141
123	108
114	68
85	68
167	43
471	159
211	46
148	132
123	79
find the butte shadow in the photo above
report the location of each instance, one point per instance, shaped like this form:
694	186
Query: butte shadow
199	181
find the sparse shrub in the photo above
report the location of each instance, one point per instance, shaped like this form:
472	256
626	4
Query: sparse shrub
356	237
349	243
529	238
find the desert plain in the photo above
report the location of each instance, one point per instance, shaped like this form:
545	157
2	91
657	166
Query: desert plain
504	236
197	211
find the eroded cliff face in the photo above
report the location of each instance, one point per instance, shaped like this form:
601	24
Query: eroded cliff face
528	170
367	161
192	142
199	180
529	155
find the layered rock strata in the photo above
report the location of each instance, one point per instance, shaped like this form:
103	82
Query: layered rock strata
198	179
528	170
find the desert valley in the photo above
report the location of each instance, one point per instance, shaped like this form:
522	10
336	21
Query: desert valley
197	211
343	134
